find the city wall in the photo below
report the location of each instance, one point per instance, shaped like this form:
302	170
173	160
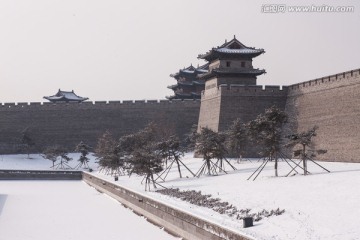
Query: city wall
221	105
333	104
67	124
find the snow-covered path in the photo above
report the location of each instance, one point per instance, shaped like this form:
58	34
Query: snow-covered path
59	210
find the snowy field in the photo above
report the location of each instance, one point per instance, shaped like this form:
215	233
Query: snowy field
319	206
58	210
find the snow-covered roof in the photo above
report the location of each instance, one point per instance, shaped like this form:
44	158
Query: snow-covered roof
65	96
232	47
239	51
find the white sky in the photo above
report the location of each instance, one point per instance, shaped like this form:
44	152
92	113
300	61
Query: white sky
117	50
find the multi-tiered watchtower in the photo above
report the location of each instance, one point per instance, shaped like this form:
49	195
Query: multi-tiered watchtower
188	86
230	87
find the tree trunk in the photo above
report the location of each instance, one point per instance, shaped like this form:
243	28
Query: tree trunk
208	166
276	164
152	179
304	160
178	165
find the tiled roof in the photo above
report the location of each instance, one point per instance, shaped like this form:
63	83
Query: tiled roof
65	96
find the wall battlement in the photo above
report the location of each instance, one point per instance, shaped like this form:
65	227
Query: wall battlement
67	124
255	90
246	90
327	82
331	102
96	104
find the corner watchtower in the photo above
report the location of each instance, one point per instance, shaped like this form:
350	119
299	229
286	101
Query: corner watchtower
231	63
230	87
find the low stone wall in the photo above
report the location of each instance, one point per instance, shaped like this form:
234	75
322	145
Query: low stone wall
39	175
173	220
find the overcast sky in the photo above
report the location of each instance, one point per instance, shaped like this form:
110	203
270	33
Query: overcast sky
123	50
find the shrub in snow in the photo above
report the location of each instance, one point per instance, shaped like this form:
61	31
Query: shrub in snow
197	198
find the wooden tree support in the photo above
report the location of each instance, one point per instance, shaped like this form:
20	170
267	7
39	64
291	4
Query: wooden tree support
168	168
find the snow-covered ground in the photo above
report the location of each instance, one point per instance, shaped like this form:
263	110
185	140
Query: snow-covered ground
43	210
319	206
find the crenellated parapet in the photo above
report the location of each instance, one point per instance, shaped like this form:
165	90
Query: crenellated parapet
257	90
325	83
67	124
96	104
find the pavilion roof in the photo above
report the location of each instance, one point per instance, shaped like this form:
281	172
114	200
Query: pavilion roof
234	48
65	96
227	72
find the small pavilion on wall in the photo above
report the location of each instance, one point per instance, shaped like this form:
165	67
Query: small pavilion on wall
188	86
65	96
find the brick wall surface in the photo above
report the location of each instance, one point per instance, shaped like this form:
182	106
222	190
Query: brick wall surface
68	124
333	104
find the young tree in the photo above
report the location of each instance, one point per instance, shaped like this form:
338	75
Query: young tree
84	151
146	162
237	138
108	155
54	153
50	154
170	149
142	155
27	142
266	130
211	145
304	139
190	138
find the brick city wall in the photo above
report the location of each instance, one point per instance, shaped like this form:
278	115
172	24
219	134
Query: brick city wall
222	105
68	124
333	104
